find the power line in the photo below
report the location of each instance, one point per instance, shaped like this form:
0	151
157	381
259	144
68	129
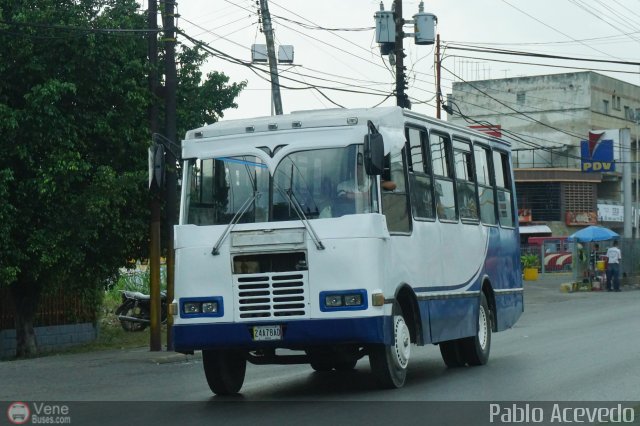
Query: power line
217	53
592	40
317	27
313	23
589	10
555	29
537	55
525	116
513	109
81	29
544	65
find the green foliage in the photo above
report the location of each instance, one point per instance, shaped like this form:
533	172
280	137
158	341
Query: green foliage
73	152
8	270
202	101
530	261
75	140
132	280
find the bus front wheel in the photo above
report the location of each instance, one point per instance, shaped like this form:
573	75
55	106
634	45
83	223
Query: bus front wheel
389	363
224	370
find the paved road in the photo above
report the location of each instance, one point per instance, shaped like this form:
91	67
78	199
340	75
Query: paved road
566	347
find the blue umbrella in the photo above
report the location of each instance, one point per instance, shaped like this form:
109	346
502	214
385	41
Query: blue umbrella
592	233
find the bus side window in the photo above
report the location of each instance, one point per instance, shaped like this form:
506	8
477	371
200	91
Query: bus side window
503	187
465	180
485	187
395	203
420	180
440	147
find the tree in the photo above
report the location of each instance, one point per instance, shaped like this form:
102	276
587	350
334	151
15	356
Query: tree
201	101
73	144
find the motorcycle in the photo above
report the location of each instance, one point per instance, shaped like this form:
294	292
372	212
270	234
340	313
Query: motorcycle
134	313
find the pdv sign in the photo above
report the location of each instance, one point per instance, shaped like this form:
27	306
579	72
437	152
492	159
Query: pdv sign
597	154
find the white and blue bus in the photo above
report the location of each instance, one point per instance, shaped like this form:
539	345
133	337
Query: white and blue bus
321	237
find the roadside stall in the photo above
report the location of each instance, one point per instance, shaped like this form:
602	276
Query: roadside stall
588	261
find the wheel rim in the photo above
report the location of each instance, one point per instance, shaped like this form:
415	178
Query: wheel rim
402	343
482	328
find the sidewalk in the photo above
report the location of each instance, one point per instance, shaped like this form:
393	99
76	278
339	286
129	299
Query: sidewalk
547	288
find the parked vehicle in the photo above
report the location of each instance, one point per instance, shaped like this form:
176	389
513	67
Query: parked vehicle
135	311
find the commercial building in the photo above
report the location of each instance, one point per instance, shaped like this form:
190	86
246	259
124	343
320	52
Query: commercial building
546	117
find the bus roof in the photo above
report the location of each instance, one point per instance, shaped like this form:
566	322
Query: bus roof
337	117
333	117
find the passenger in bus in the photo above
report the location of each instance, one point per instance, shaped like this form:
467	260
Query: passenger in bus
387	185
347	189
324	201
361	184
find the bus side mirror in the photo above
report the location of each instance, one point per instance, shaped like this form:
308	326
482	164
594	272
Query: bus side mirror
373	154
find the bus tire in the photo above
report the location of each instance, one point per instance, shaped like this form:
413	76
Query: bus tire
345	365
476	349
322	366
452	353
224	370
389	363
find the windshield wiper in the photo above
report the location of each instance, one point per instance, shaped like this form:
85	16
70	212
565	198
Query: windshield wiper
234	220
298	209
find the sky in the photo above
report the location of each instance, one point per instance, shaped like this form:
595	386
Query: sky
329	57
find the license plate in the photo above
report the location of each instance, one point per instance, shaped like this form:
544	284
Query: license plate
267	332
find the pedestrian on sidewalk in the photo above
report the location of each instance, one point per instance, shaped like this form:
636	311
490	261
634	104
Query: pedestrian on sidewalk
613	267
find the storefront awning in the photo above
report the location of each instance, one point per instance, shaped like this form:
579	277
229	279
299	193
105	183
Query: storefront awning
535	229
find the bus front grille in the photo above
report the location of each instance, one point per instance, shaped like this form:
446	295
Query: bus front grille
271	296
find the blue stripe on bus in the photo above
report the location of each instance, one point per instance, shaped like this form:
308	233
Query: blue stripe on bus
244	162
187	337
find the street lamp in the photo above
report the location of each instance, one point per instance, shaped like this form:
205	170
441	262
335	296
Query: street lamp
259	55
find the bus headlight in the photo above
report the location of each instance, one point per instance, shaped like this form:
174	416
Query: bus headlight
343	300
353	299
201	307
209	307
333	300
192	308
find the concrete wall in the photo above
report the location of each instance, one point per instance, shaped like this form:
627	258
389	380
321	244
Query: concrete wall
571	102
50	338
562	101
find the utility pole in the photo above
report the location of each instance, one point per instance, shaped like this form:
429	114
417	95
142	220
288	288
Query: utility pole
625	143
271	53
636	219
401	97
438	86
171	77
155	339
390	35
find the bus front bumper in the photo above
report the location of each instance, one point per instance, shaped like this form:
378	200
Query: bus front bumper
295	334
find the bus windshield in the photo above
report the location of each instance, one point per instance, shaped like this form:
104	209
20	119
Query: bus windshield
324	183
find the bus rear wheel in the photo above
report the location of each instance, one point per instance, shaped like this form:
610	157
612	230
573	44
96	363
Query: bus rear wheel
452	353
476	349
389	363
224	370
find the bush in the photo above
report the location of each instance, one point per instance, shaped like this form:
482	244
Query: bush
530	261
133	280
